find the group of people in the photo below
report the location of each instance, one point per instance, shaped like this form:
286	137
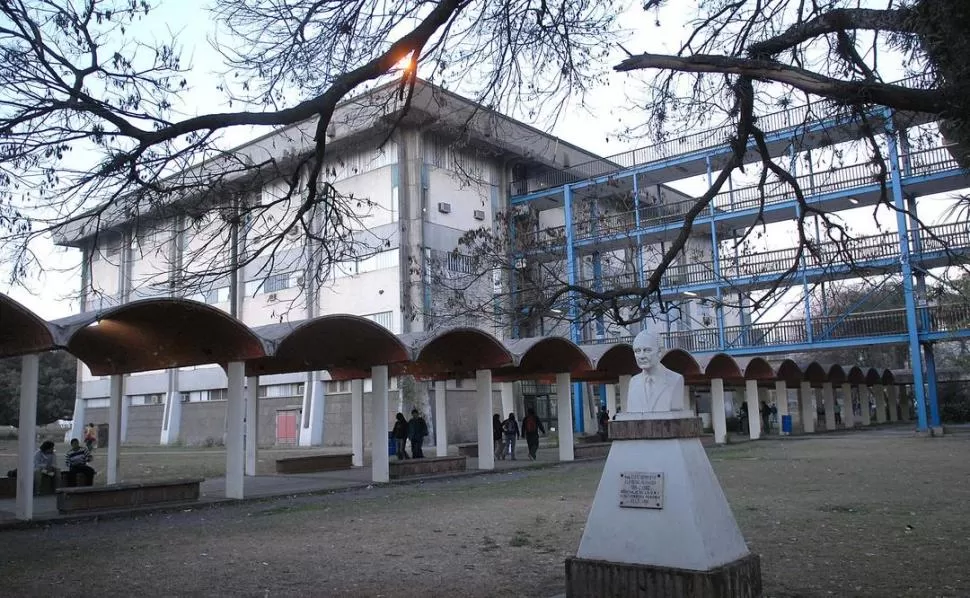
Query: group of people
415	430
767	413
506	432
76	462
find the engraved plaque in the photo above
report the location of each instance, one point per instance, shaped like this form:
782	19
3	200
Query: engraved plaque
641	490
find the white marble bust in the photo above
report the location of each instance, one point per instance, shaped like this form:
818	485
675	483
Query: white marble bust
655	392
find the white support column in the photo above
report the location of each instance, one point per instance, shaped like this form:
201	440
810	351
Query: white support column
879	393
864	405
848	415
357	422
828	398
441	419
79	419
564	404
508	400
483	409
806	400
781	401
311	420
252	423
114	426
689	399
125	409
754	409
380	463
718	417
893	400
624	387
172	414
235	427
27	436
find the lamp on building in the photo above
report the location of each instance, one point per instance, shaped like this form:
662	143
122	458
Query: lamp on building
852	200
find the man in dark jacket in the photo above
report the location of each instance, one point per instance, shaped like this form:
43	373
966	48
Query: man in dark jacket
417	430
531	426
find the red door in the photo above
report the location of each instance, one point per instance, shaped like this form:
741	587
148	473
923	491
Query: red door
286	428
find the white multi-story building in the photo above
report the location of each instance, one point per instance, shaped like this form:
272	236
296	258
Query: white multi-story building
420	180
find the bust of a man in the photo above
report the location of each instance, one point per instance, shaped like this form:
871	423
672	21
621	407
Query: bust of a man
655	389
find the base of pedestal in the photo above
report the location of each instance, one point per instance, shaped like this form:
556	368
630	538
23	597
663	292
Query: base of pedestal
601	579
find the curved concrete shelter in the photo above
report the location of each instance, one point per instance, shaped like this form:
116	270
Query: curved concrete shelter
171	333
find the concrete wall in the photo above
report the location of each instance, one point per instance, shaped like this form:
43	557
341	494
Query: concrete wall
144	424
204	422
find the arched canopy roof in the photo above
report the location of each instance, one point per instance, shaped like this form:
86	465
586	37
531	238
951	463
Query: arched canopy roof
457	352
722	365
349	346
544	355
815	373
837	374
756	368
21	330
609	362
856	375
154	334
888	377
683	363
873	376
790	372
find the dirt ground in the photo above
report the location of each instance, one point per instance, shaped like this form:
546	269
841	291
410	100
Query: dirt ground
876	513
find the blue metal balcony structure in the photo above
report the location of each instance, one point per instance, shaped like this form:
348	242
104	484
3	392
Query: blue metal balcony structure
907	252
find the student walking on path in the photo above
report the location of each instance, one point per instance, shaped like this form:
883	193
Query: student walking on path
417	430
400	434
510	429
531	426
497	436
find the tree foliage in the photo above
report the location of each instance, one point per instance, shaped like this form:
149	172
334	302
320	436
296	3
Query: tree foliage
57	375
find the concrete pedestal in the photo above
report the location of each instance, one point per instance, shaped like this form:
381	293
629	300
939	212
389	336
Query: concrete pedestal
660	524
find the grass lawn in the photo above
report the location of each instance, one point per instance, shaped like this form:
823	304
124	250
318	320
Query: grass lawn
876	513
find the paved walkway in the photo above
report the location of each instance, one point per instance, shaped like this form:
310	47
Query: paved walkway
269	486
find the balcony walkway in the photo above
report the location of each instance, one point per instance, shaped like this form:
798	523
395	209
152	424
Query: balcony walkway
925	172
937	323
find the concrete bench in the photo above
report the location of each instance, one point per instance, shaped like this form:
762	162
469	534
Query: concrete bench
314	463
429	466
469	449
592	450
8	485
121	496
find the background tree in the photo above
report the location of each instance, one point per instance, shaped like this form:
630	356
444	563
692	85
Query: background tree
57	375
93	129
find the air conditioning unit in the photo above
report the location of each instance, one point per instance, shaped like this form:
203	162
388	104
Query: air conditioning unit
479	214
444	207
272	297
520	263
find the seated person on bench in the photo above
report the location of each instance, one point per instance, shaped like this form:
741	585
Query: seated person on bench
77	462
44	467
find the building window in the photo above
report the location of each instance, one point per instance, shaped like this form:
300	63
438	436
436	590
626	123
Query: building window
384	318
338	386
219	295
276	282
463	264
218	394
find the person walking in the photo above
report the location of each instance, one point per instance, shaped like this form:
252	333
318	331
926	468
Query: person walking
417	430
510	430
531	426
497	437
400	434
765	417
90	436
77	459
603	424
